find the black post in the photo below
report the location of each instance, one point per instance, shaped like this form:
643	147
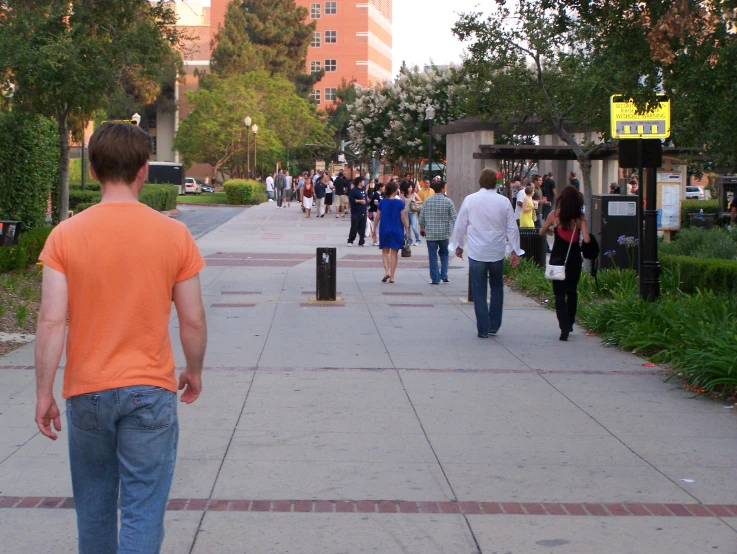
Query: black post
650	271
326	274
640	206
429	151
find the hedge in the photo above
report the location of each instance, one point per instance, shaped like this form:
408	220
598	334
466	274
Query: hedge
694	206
242	192
159	197
29	167
27	250
718	276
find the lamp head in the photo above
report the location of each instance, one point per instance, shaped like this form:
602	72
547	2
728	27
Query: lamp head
247	121
136	119
430	113
254	129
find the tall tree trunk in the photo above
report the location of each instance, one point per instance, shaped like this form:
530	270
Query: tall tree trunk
63	127
585	163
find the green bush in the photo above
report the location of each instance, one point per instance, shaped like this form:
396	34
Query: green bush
82	206
88	186
26	251
29	167
159	197
77	196
242	192
75	175
694	206
702	243
718	276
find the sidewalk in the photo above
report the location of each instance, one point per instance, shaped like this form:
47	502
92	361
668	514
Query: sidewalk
381	423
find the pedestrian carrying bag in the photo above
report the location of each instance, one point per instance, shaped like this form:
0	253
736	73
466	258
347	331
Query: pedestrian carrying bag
415	207
407	249
558	272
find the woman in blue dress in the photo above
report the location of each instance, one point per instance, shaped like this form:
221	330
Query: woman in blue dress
393	229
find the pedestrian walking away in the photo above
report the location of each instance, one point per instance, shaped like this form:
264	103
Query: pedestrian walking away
413	205
329	188
120	384
288	189
391	220
358	202
321	188
374	198
270	186
342	186
550	193
487	220
437	218
280	184
568	224
527	217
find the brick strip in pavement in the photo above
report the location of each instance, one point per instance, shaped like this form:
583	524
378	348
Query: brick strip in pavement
583	509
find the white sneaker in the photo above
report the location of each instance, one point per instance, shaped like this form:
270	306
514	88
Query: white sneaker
376	244
349	244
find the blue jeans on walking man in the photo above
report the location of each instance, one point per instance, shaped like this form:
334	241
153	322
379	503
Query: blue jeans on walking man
488	315
122	439
433	248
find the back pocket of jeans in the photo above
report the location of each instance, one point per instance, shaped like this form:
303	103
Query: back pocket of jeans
84	411
153	408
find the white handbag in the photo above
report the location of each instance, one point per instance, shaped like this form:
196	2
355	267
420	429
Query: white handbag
558	272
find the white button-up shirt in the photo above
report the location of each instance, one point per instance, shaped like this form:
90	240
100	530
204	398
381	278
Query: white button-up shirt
488	220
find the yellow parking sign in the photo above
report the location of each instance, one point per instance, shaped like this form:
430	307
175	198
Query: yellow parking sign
629	123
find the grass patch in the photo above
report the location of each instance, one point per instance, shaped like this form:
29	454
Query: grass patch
20	298
216	198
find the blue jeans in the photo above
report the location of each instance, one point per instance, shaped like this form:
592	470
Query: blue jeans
488	315
433	246
414	226
270	194
122	438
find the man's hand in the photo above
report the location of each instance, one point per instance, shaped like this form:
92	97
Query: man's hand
46	412
514	260
459	252
193	384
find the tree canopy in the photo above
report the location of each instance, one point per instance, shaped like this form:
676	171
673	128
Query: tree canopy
67	59
214	132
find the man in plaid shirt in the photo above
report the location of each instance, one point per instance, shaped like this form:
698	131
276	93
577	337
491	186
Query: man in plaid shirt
437	217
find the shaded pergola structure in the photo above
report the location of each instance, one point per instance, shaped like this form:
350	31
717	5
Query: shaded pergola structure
471	147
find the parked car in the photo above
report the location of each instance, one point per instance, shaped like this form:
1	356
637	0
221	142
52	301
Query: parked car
694	193
191	186
206	188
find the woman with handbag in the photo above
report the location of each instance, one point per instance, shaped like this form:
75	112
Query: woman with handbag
391	220
568	224
413	206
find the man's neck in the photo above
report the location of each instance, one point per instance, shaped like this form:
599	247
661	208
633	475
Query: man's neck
118	193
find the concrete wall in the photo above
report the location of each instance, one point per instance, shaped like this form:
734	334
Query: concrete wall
165	124
462	170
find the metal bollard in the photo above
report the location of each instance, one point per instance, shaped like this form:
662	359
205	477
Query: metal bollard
326	274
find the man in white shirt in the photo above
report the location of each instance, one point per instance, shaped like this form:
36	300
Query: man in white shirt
270	186
487	219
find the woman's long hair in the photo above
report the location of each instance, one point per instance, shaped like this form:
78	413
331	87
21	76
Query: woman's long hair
570	204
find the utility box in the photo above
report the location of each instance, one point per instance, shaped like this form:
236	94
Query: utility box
615	220
534	245
9	233
326	274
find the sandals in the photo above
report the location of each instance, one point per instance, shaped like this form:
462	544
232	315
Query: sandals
385	279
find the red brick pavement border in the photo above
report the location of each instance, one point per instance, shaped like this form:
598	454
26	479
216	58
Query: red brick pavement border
585	509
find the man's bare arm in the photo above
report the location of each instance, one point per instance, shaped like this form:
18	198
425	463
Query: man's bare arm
50	331
193	334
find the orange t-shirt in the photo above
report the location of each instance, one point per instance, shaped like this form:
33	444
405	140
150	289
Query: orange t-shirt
121	261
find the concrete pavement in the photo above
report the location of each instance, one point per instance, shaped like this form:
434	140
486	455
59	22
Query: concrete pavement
383	424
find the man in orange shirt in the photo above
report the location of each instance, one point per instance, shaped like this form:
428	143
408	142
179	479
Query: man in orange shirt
114	270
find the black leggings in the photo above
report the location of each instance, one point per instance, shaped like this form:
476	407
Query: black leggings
565	309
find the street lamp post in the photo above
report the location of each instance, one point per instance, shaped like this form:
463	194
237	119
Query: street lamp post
429	116
247	120
255	147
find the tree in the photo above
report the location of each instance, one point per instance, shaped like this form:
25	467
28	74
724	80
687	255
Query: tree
389	121
214	132
265	34
67	59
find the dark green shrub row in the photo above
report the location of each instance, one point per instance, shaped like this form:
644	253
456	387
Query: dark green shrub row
88	186
706	274
29	167
242	192
715	243
159	197
26	251
694	206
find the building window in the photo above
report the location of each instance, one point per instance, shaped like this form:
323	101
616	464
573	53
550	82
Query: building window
331	66
315	11
315	67
331	37
315	40
331	8
315	95
330	94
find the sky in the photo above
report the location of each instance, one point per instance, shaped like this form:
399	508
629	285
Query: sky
422	31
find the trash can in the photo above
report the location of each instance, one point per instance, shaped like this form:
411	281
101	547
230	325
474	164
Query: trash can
9	233
534	245
326	274
703	221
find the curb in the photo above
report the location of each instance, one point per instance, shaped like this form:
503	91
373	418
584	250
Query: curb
214	205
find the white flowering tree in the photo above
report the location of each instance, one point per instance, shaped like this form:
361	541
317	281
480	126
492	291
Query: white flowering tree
389	121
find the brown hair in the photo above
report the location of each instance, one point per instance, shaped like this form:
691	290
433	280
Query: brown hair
529	189
390	188
118	151
437	187
487	179
570	204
